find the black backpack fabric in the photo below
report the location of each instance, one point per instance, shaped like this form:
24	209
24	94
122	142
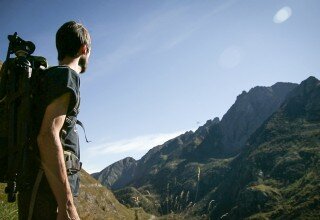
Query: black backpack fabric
18	79
7	158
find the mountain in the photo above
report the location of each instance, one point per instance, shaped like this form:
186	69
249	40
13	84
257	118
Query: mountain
175	175
276	176
249	111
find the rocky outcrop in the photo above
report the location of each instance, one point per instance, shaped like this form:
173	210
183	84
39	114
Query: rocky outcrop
250	110
117	175
300	106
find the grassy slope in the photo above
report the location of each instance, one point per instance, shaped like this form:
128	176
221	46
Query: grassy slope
97	202
7	210
295	175
94	202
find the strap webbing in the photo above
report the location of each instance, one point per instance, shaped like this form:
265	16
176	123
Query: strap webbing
34	193
84	130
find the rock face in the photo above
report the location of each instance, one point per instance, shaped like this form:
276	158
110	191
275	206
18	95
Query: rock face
118	174
249	111
277	173
304	101
187	168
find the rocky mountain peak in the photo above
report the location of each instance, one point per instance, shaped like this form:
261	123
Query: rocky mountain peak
310	80
117	174
248	112
307	86
304	101
128	160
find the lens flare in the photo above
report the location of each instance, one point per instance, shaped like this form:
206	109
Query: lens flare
282	15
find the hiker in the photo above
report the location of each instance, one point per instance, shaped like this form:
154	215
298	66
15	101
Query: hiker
51	178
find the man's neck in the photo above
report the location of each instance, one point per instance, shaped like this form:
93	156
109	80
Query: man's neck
72	63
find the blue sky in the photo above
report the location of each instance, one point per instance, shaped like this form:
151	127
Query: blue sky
160	68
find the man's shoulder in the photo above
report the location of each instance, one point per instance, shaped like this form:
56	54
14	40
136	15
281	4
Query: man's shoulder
57	81
64	70
62	73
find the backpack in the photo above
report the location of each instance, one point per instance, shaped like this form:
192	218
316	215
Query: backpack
20	77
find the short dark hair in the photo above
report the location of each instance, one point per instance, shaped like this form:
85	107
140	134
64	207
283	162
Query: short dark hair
69	39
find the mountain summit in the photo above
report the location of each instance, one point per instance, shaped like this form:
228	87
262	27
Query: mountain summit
249	111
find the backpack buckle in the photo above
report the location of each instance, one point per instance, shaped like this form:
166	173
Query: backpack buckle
73	164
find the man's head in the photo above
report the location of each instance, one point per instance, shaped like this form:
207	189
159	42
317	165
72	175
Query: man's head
73	41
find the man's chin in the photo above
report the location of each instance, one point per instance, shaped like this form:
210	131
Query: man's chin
83	63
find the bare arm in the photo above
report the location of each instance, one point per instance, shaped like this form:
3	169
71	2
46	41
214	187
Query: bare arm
51	153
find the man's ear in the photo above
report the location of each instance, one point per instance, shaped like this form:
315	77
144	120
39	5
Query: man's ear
84	49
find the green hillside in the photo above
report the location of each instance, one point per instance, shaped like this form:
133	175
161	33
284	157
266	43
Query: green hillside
95	202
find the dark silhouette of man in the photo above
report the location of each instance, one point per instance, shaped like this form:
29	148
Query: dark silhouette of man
52	174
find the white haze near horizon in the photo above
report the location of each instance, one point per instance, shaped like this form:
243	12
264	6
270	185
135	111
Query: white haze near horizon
135	147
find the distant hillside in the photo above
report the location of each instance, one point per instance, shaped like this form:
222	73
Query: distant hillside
277	176
118	174
123	172
97	202
175	175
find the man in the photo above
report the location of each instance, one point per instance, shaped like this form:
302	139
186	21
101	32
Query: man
51	179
